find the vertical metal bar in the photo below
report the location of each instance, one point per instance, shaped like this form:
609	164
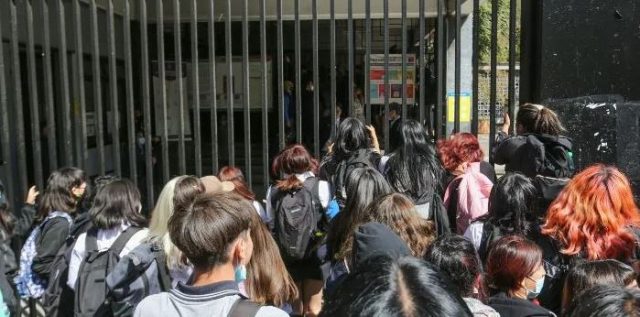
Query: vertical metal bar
476	69
265	92
197	137
513	6
18	103
230	87
422	63
245	86
457	75
128	70
298	86
404	59
64	68
212	86
33	98
5	137
52	158
494	66
316	81
79	60
177	38
332	64
281	114
440	58
146	100
162	73
97	88
113	85
367	66
387	88
350	38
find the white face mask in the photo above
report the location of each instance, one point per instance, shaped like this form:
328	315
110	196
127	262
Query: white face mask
142	140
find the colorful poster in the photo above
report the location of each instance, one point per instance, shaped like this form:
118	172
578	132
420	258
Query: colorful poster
377	88
465	107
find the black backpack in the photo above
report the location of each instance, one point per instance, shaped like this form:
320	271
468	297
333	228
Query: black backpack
297	214
58	297
140	273
91	293
550	156
361	158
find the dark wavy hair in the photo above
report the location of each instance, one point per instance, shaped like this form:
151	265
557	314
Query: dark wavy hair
602	300
57	195
352	135
455	256
383	286
586	275
511	260
414	168
116	203
363	186
539	119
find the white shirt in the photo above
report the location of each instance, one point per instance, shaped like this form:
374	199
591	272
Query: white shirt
474	233
261	212
105	239
324	193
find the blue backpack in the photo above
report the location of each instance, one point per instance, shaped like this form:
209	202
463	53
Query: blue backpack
28	283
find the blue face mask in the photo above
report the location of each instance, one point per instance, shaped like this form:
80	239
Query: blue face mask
532	294
241	273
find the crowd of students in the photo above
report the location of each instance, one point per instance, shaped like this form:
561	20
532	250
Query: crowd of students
423	230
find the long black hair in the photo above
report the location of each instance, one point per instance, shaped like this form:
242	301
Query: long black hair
414	168
352	135
511	204
363	186
383	286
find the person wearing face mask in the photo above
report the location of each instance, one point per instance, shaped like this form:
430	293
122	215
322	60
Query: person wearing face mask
515	277
65	188
213	232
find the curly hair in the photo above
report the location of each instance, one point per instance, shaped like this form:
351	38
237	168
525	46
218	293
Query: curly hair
594	215
460	148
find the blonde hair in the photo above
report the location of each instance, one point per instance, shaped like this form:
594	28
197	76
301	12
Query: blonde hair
158	227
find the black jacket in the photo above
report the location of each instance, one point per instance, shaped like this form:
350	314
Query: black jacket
518	153
395	135
51	238
515	307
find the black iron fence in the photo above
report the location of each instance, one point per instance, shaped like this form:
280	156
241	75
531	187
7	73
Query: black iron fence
148	89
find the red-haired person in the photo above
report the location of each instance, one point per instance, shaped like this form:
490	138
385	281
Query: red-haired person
296	171
595	217
235	175
469	180
515	277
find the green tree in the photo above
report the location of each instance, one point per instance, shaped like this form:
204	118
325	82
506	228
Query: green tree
484	41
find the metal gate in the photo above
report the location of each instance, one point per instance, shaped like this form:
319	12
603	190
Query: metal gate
146	88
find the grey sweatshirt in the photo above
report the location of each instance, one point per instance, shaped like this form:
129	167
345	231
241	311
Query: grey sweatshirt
210	300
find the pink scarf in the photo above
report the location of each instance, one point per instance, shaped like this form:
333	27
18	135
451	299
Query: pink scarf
473	196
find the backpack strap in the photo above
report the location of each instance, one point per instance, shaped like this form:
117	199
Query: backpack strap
123	238
244	308
163	272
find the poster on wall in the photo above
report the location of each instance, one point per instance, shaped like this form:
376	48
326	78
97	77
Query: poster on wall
377	88
172	99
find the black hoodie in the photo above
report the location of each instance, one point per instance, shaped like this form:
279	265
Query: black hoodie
516	307
370	239
531	154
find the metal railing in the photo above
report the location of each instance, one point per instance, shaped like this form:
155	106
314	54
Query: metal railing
120	122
